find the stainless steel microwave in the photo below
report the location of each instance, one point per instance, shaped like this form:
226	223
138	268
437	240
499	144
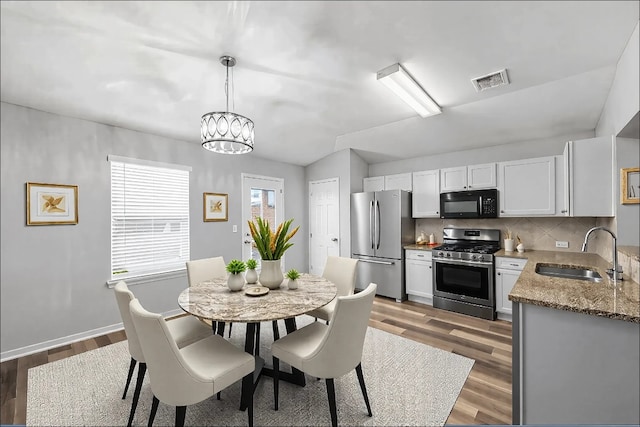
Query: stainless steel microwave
469	204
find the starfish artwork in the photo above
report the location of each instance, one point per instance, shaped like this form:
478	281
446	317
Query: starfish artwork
52	204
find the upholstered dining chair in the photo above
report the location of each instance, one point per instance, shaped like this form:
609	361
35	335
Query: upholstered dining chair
329	351
184	330
189	375
342	272
200	270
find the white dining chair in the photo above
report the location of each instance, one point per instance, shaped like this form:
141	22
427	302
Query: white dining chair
200	270
329	351
184	331
189	375
342	272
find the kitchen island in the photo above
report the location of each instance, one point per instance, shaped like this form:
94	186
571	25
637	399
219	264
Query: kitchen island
576	345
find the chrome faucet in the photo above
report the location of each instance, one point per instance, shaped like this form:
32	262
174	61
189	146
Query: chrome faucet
614	272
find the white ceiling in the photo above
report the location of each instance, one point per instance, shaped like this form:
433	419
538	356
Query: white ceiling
306	70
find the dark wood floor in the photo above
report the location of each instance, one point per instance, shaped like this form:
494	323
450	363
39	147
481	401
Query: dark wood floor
485	397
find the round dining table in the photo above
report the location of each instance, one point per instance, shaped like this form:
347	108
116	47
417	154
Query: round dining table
213	300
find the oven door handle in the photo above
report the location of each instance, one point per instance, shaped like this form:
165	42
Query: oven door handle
459	262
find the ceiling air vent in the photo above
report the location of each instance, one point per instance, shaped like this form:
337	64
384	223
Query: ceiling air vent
489	81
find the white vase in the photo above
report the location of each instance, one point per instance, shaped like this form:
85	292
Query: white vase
293	284
271	274
251	277
508	245
235	282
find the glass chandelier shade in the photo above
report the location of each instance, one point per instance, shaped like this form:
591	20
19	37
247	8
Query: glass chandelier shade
226	132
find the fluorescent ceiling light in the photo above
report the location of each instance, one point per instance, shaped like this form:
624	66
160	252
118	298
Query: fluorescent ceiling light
402	84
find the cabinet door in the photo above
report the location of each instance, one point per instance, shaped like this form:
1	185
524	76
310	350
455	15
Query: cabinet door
453	179
401	181
418	275
527	187
374	183
426	194
481	176
591	177
505	279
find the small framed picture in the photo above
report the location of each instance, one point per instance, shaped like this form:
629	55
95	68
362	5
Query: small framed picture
629	186
51	204
215	207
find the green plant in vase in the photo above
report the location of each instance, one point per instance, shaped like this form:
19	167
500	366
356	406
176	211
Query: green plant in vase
235	281
293	276
251	277
271	245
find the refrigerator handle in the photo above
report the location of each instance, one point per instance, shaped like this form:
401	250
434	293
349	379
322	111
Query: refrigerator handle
378	224
371	232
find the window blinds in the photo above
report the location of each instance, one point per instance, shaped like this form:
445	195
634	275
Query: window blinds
149	218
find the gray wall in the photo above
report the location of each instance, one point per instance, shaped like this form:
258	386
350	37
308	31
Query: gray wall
499	153
627	216
52	280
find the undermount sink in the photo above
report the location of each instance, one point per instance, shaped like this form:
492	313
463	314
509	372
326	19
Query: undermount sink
568	272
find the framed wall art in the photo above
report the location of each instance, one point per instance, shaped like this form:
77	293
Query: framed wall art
51	204
215	207
629	186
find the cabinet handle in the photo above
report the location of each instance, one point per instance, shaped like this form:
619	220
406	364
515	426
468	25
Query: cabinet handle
469	186
514	265
501	211
499	273
563	211
429	267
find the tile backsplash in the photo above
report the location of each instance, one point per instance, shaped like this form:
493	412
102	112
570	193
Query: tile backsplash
535	233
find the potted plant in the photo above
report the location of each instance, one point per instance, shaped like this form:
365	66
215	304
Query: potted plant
293	275
251	276
271	246
235	281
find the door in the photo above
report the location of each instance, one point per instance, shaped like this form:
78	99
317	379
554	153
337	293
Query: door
387	223
262	196
362	224
324	223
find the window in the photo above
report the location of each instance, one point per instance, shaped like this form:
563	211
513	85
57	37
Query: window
149	218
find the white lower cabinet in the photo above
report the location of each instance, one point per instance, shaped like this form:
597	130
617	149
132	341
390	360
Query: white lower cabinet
419	276
507	272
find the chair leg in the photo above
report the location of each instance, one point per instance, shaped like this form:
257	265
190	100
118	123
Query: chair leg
276	381
247	382
363	388
220	330
256	347
230	326
132	366
331	394
142	368
276	330
213	326
154	409
181	411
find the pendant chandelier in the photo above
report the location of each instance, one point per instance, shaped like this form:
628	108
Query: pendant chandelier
226	132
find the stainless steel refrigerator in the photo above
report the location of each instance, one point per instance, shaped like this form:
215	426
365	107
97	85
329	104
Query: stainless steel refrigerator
381	225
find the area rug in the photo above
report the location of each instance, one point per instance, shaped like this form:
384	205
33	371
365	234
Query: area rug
408	384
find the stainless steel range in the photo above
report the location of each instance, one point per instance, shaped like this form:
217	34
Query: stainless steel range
463	271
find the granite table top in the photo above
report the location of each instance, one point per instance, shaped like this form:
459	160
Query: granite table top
619	300
213	300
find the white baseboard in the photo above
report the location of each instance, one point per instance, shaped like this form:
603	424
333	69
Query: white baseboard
69	339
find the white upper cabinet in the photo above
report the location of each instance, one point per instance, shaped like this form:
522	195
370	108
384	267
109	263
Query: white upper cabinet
401	181
474	177
481	176
527	187
374	183
426	194
453	179
590	176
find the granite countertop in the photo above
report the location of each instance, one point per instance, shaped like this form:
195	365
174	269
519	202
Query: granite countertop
417	247
598	299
